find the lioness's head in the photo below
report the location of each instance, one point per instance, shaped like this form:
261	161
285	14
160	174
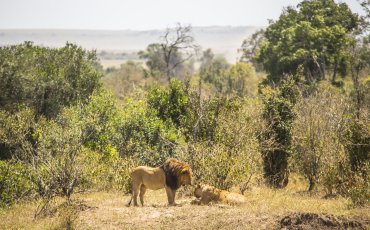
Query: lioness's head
198	191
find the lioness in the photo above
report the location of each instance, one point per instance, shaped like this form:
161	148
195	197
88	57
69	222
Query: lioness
171	175
209	194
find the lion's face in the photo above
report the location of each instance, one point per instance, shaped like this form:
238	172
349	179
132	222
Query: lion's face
185	177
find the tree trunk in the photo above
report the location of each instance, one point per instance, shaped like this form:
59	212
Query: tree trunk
335	72
312	185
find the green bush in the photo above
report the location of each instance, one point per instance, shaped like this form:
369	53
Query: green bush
144	135
279	114
101	119
233	157
359	191
105	172
358	143
170	104
15	183
317	135
46	79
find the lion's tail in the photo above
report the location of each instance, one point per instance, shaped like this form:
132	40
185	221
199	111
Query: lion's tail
129	203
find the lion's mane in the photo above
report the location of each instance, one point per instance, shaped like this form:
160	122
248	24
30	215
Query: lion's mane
174	171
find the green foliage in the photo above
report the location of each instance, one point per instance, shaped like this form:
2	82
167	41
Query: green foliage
317	135
202	118
359	188
14	183
46	79
101	119
54	158
155	59
241	77
275	142
125	80
232	157
144	135
15	128
170	104
250	47
170	57
354	184
47	149
105	172
315	35
358	143
213	70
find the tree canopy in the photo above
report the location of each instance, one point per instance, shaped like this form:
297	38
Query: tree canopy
314	35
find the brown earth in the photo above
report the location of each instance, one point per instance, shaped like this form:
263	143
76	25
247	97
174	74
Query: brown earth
308	221
264	209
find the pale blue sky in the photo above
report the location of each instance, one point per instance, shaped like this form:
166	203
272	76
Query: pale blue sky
139	14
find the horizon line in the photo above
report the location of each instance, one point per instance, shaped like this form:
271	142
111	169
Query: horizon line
154	29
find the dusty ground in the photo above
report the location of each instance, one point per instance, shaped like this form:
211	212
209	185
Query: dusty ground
112	214
265	209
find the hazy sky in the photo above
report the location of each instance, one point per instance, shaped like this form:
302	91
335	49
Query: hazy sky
139	14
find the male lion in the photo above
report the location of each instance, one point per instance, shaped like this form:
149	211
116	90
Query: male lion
209	194
171	175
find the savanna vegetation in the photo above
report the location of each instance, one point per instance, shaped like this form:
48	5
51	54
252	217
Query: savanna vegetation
294	108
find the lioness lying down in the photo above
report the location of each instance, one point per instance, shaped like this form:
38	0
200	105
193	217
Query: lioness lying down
209	194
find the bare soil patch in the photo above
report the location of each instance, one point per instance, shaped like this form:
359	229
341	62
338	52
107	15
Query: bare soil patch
308	221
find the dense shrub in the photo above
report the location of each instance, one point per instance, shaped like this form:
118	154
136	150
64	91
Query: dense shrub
233	156
105	172
101	119
169	104
279	114
15	183
46	79
358	143
317	134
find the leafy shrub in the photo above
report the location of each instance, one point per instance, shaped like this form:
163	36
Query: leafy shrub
279	115
233	158
144	135
101	119
15	183
358	143
105	172
317	135
241	79
359	190
46	79
170	104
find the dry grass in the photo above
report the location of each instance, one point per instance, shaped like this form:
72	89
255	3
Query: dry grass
106	210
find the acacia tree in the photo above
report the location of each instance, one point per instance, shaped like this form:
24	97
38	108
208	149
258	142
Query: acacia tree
250	47
168	57
177	39
314	35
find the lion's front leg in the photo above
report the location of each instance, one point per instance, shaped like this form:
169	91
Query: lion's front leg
170	196
195	201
